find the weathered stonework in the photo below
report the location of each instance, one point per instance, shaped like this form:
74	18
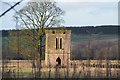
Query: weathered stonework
57	45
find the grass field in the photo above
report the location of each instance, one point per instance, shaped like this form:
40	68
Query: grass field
71	72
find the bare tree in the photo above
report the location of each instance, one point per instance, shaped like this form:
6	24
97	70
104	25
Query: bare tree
34	18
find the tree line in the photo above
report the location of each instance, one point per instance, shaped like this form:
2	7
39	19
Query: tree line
105	29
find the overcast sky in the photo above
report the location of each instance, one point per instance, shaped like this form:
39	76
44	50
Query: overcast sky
77	12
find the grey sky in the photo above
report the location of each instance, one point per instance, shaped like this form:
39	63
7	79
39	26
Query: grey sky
77	13
90	13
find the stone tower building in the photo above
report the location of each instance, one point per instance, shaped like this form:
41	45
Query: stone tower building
57	47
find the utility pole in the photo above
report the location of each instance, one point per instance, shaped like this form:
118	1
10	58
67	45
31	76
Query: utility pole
10	8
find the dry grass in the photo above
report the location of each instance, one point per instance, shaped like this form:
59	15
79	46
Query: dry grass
26	71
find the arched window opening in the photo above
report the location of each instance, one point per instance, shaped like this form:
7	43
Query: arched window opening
60	43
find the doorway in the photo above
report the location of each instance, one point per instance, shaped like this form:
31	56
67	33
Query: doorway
58	60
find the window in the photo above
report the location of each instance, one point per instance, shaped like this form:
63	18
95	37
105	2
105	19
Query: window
60	43
57	43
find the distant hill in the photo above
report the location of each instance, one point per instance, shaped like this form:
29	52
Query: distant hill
98	29
105	29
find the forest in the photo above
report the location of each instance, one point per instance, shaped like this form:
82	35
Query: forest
105	29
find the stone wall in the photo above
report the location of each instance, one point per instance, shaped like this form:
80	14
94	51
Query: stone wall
51	59
21	64
26	64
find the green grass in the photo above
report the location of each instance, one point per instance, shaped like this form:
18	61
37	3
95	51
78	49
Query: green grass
44	73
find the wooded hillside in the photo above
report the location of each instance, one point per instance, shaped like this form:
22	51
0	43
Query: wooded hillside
102	38
107	29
